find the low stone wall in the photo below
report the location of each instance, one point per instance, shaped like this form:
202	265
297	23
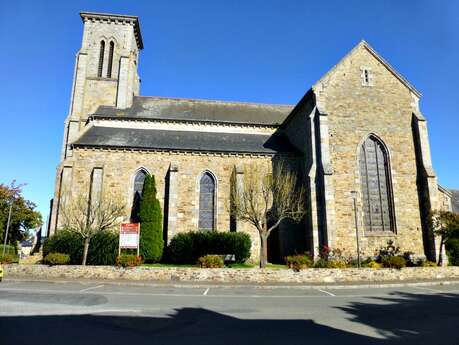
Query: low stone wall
228	275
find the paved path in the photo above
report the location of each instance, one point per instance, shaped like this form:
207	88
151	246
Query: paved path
117	313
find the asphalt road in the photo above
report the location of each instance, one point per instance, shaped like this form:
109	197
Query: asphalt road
116	313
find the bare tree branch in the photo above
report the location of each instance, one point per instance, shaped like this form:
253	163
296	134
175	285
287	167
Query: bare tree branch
267	197
87	217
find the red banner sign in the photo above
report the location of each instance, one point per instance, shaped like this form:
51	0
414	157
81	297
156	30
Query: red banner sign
129	235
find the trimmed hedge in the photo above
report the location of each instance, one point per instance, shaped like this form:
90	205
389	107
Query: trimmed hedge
188	247
103	248
65	242
128	260
452	250
298	262
211	261
56	259
397	262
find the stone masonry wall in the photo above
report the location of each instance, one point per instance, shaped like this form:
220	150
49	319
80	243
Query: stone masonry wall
384	108
120	167
230	275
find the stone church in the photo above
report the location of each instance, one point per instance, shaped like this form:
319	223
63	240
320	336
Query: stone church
357	133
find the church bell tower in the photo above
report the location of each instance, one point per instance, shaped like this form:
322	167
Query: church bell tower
105	69
105	74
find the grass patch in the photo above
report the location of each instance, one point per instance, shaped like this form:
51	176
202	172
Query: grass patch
243	265
160	265
276	266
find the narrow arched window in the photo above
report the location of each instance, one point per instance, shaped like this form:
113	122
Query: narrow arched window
376	186
206	202
110	59
101	58
137	190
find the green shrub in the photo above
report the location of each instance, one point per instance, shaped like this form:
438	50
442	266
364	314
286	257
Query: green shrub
394	262
151	223
298	262
452	250
411	259
56	259
128	260
336	263
186	248
182	248
390	250
9	249
321	263
373	264
211	261
65	242
330	263
103	247
7	259
11	254
427	263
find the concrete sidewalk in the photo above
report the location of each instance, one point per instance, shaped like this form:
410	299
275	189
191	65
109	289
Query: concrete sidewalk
200	284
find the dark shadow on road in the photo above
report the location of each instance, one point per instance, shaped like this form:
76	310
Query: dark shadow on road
402	319
406	318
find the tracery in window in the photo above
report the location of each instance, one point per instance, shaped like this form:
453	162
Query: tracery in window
137	191
376	186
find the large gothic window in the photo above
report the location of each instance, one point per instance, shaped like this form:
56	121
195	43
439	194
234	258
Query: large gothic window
207	202
137	190
376	186
101	58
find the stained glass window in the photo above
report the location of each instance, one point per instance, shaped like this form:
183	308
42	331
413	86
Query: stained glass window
110	59
206	202
101	58
376	186
138	187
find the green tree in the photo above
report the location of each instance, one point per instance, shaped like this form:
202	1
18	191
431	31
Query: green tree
23	216
446	225
151	229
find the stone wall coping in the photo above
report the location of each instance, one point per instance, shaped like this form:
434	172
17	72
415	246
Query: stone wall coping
232	275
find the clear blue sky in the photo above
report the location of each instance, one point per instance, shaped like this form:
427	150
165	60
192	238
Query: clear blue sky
260	51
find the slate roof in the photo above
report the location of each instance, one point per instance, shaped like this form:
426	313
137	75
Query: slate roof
177	109
455	199
148	139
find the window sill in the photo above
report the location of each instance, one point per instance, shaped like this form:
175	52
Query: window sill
380	234
102	78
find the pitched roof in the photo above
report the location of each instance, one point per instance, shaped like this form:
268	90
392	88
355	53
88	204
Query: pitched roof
149	139
364	44
179	109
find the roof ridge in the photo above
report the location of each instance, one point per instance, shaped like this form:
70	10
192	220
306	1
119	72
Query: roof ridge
378	57
204	100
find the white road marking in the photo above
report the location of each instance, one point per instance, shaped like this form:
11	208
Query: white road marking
170	295
328	293
91	288
205	292
126	293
